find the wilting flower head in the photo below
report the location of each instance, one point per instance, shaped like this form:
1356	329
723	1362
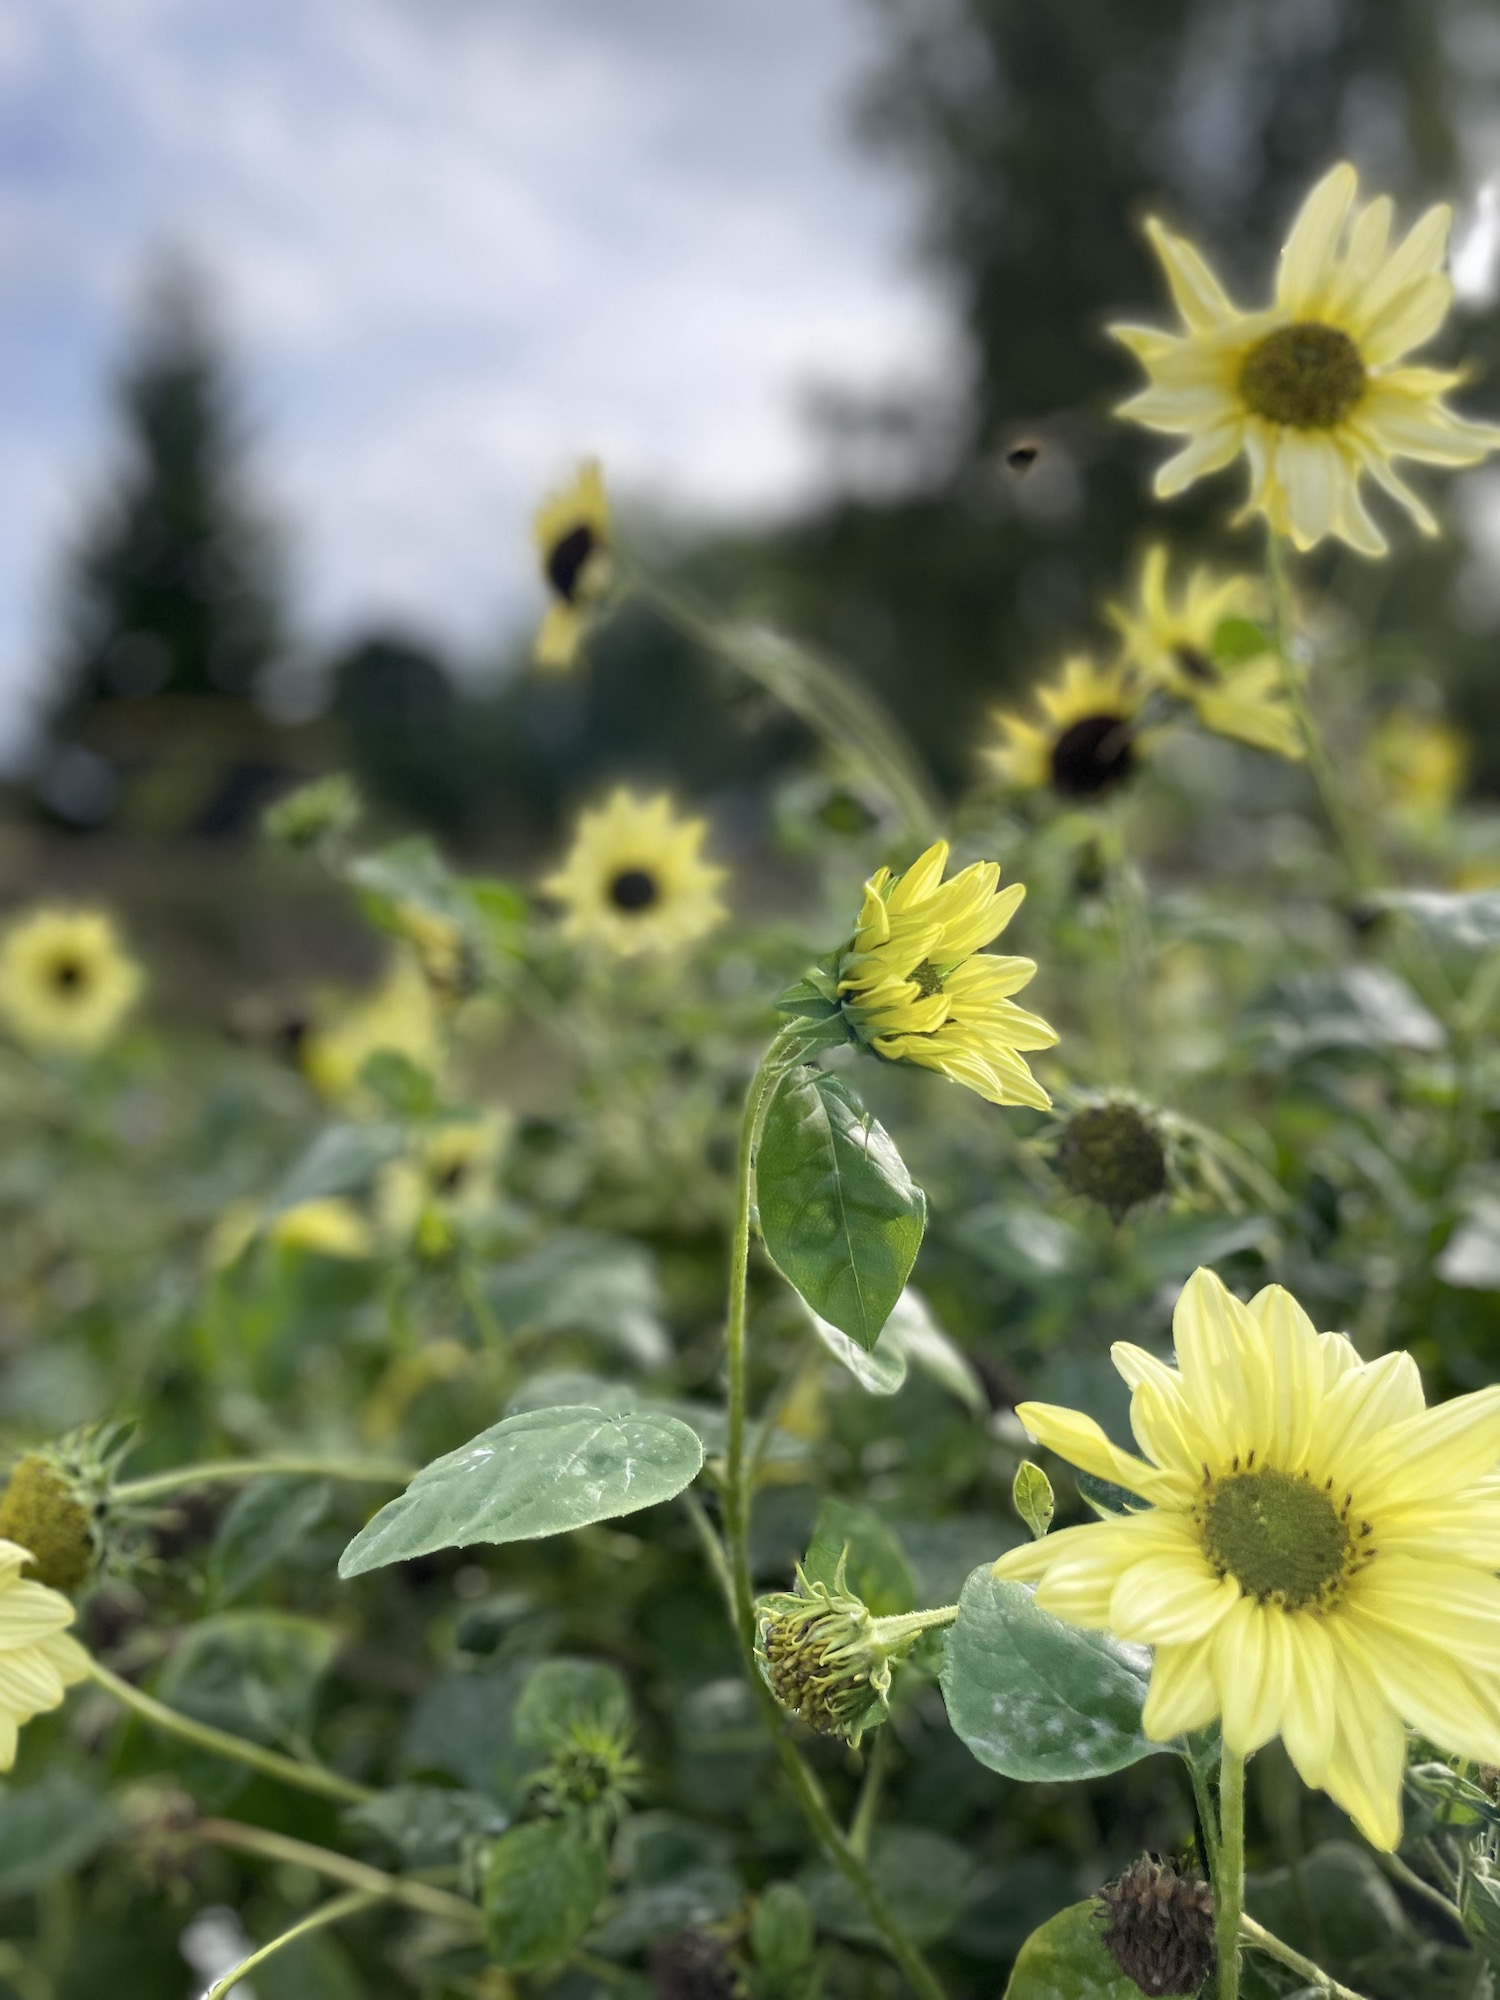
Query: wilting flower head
573	544
66	980
1087	742
38	1659
916	985
1309	388
1178	645
634	882
1114	1154
1157	1924
1317	1557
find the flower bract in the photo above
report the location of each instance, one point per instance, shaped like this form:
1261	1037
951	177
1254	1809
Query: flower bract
916	985
1176	640
66	979
1087	741
572	532
1314	389
635	883
1317	1557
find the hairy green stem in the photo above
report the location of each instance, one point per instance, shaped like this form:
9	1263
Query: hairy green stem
203	1736
1229	1881
834	703
372	1472
284	1848
863	1823
1260	1939
332	1912
1208	1819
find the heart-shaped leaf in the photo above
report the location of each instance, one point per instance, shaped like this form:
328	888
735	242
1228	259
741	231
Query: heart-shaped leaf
1066	1960
538	1473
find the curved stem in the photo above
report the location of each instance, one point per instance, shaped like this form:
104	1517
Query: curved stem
1229	1881
1260	1939
331	1913
285	1848
203	1735
1408	1878
373	1472
834	703
863	1823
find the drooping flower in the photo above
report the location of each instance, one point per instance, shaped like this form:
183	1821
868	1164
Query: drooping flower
1238	691
1317	1557
916	985
572	532
634	882
39	1661
66	979
1313	389
1088	741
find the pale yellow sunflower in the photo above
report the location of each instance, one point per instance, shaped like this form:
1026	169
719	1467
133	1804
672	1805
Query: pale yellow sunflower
444	1183
1088	740
66	979
1176	642
1317	1559
1420	763
1312	389
403	1014
572	532
39	1660
916	985
634	882
331	1225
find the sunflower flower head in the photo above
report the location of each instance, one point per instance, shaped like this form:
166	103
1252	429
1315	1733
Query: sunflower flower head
42	1660
916	985
403	1014
634	883
827	1658
572	533
1317	1559
1314	389
1201	645
1087	741
66	980
1114	1154
443	1185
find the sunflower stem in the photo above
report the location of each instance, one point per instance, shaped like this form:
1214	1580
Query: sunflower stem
790	1046
1408	1878
373	1472
332	1912
1229	1879
1260	1939
290	1770
285	1849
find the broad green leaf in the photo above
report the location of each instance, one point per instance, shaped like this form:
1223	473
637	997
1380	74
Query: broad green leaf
341	1160
916	1335
542	1885
583	1281
403	1087
1036	1699
540	1473
924	1881
881	1370
1066	1960
1359	1918
1237	639
781	1931
255	1673
1470	919
689	1901
840	1216
462	1727
50	1829
876	1568
429	1825
560	1693
1031	1494
265	1522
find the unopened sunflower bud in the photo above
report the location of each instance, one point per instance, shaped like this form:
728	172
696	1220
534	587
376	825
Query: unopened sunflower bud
692	1965
827	1658
162	1827
42	1511
1113	1154
313	813
1158	1926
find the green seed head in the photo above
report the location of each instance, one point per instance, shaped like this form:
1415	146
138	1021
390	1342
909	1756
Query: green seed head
1280	1537
1113	1154
41	1510
1306	375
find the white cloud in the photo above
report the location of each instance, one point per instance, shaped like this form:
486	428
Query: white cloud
458	244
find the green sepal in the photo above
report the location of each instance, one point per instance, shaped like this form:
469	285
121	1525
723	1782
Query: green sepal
814	997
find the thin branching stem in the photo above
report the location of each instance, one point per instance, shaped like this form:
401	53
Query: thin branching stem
332	1912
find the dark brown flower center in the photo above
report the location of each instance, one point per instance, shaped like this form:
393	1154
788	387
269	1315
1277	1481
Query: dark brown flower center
67	975
1092	754
1194	665
1307	375
634	889
1280	1537
567	559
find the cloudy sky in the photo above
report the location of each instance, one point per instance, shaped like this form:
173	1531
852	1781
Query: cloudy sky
458	243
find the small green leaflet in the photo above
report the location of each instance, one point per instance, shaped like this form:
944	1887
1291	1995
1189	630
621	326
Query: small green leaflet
1031	1494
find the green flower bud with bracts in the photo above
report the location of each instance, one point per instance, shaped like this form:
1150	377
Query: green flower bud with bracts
325	810
591	1770
1114	1154
1158	1926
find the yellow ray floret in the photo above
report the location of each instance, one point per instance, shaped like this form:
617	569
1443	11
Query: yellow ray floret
1318	1558
66	979
39	1661
634	882
1313	389
402	1015
1173	641
572	532
916	985
1087	741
